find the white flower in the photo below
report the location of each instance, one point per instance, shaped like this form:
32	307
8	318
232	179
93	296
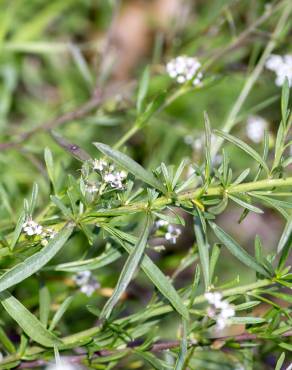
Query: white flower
161	223
82	277
214	298
172	233
63	365
87	283
211	312
226	309
220	310
31	227
49	233
115	179
221	323
99	164
274	62
195	143
89	288
282	66
255	128
289	367
184	69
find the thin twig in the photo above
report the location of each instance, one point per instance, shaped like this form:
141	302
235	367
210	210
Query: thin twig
78	113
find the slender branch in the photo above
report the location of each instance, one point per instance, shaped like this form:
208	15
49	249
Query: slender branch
156	347
192	195
78	113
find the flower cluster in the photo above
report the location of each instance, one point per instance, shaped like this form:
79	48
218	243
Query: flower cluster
219	310
184	69
255	128
32	228
86	282
171	233
282	66
108	176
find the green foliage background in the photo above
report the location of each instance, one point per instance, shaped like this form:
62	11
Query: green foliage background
57	55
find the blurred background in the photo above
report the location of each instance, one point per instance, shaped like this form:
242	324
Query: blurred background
58	56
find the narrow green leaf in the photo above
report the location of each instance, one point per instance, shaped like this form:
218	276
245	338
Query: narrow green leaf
244	204
172	220
5	201
35	262
182	355
245	147
152	360
235	249
33	198
161	282
130	165
58	203
143	88
285	101
279	145
286	346
6	342
81	64
241	177
258	249
154	106
60	312
104	259
213	260
208	162
128	270
220	207
274	203
27	321
284	296
17	230
246	305
73	149
45	305
280	361
50	167
247	320
203	249
195	285
287	162
178	173
286	235
166	176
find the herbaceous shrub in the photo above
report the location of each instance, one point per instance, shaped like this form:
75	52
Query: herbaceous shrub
85	280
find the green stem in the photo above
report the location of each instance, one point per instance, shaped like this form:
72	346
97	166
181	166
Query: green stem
135	128
193	195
